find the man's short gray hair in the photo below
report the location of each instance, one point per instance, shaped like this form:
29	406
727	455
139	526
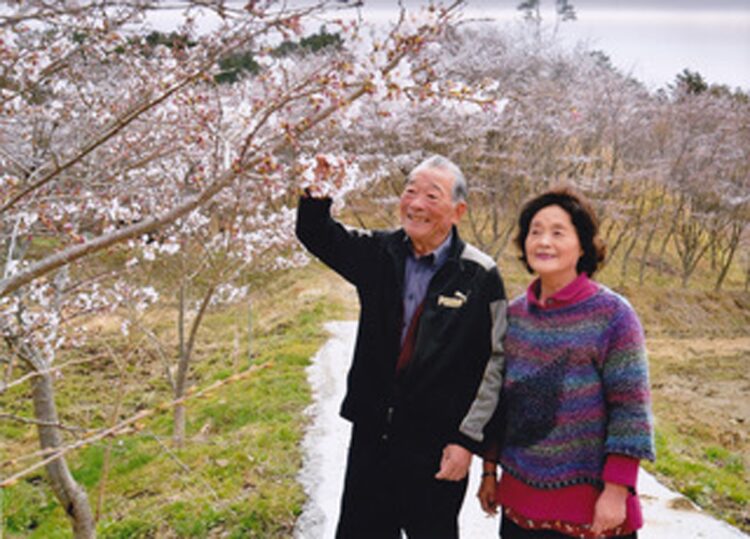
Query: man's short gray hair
460	190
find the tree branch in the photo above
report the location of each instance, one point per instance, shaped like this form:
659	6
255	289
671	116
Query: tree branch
125	426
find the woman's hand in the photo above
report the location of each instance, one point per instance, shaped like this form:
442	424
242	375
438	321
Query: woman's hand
488	487
610	508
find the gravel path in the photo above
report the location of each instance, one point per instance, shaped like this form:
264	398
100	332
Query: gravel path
325	458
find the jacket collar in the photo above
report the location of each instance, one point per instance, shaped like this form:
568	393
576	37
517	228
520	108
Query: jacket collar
400	248
455	248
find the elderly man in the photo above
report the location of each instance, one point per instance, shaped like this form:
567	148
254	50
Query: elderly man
432	315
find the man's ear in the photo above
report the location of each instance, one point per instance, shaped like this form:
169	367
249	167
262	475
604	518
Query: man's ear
459	210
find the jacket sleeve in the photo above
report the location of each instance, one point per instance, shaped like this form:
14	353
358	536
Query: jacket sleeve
487	396
347	251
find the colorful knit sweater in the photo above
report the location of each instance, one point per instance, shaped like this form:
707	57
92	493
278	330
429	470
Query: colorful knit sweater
575	390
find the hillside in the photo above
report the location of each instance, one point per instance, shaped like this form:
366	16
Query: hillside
229	479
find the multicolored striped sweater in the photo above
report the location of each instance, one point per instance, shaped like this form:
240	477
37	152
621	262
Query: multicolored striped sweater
575	389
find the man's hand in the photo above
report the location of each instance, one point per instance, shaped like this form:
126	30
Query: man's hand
327	174
455	463
323	169
610	508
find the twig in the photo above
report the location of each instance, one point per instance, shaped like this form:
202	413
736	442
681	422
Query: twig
184	466
30	421
126	425
4	387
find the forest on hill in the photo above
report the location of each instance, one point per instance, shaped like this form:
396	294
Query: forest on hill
157	312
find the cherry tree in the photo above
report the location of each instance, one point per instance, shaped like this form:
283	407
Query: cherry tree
209	256
108	137
652	162
710	176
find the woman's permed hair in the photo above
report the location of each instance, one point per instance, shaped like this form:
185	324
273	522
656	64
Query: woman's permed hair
584	220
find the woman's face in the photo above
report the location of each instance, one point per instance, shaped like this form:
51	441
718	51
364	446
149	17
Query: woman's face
552	245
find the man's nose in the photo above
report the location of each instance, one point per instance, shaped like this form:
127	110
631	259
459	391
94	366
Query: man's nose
417	202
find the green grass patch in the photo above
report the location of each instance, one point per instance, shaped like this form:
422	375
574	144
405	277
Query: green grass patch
711	476
235	476
27	507
128	528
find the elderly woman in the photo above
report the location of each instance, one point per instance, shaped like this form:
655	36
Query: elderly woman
567	415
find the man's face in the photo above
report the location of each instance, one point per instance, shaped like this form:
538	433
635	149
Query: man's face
427	209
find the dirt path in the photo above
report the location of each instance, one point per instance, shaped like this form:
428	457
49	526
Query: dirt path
668	515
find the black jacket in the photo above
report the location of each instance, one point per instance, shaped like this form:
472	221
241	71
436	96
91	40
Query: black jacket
460	328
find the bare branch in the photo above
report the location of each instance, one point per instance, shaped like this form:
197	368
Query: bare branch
127	425
29	421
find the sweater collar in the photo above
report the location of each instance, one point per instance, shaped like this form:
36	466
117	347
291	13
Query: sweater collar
578	290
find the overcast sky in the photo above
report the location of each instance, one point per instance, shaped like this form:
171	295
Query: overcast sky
653	40
645	4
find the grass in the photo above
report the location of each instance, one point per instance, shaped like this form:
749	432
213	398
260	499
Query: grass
699	387
709	475
236	475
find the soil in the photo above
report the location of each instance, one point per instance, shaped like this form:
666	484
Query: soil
701	388
703	385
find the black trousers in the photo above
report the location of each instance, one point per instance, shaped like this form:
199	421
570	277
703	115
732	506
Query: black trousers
390	486
511	530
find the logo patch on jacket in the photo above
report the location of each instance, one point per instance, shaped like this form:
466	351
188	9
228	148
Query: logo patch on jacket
452	302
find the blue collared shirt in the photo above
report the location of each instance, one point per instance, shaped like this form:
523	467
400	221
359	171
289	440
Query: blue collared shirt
417	275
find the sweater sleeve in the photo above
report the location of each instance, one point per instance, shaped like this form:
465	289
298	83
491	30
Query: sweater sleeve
621	470
346	251
626	388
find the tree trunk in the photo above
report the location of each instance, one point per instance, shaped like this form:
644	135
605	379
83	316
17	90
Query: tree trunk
727	256
70	494
178	417
186	353
636	234
651	233
645	253
613	246
665	241
626	257
178	420
249	331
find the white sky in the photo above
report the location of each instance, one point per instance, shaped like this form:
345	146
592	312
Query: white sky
653	40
